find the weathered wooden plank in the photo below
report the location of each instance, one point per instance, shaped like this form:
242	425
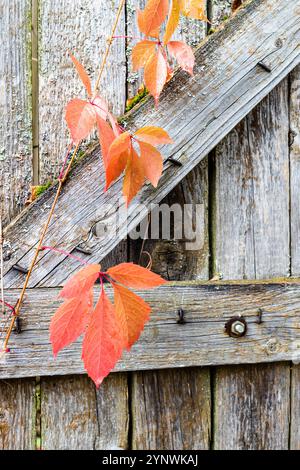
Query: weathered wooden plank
251	239
164	343
171	410
17	414
83	28
252	406
15	105
295	234
200	111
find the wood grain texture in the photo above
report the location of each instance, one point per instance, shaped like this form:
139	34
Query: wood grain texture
15	106
17	414
68	414
83	28
165	343
198	115
295	234
171	410
252	406
251	239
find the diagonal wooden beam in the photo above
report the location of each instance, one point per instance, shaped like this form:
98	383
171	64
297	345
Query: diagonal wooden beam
198	112
271	311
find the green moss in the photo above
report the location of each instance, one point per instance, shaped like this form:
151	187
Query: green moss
39	190
136	99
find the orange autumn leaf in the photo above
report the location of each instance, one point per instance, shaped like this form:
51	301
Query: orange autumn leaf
82	281
103	342
134	177
194	9
132	313
70	321
173	20
153	135
100	107
142	52
81	118
152	17
183	54
137	277
106	138
155	74
83	75
152	163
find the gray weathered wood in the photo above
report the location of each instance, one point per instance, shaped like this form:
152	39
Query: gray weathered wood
295	234
205	109
17	414
251	239
164	343
252	407
15	105
171	410
83	28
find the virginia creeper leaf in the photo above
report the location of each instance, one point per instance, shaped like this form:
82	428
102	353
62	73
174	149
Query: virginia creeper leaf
152	163
183	54
103	342
132	313
134	177
70	321
106	138
153	135
194	9
81	282
83	75
135	276
81	118
173	20
101	107
155	74
151	18
142	52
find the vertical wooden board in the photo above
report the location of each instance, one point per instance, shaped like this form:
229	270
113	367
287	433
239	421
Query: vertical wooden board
251	239
295	235
171	410
189	30
68	413
83	28
219	10
113	413
163	421
15	105
252	405
17	414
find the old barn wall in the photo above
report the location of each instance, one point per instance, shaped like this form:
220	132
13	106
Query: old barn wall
249	186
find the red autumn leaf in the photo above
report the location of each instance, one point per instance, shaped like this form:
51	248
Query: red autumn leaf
132	275
117	158
83	75
155	74
103	342
134	177
173	20
183	54
81	118
70	321
153	135
152	17
152	163
142	52
132	314
114	124
81	282
106	138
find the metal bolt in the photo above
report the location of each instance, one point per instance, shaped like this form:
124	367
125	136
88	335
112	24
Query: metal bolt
236	327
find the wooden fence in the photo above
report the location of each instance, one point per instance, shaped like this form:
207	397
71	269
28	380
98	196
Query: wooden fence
249	186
